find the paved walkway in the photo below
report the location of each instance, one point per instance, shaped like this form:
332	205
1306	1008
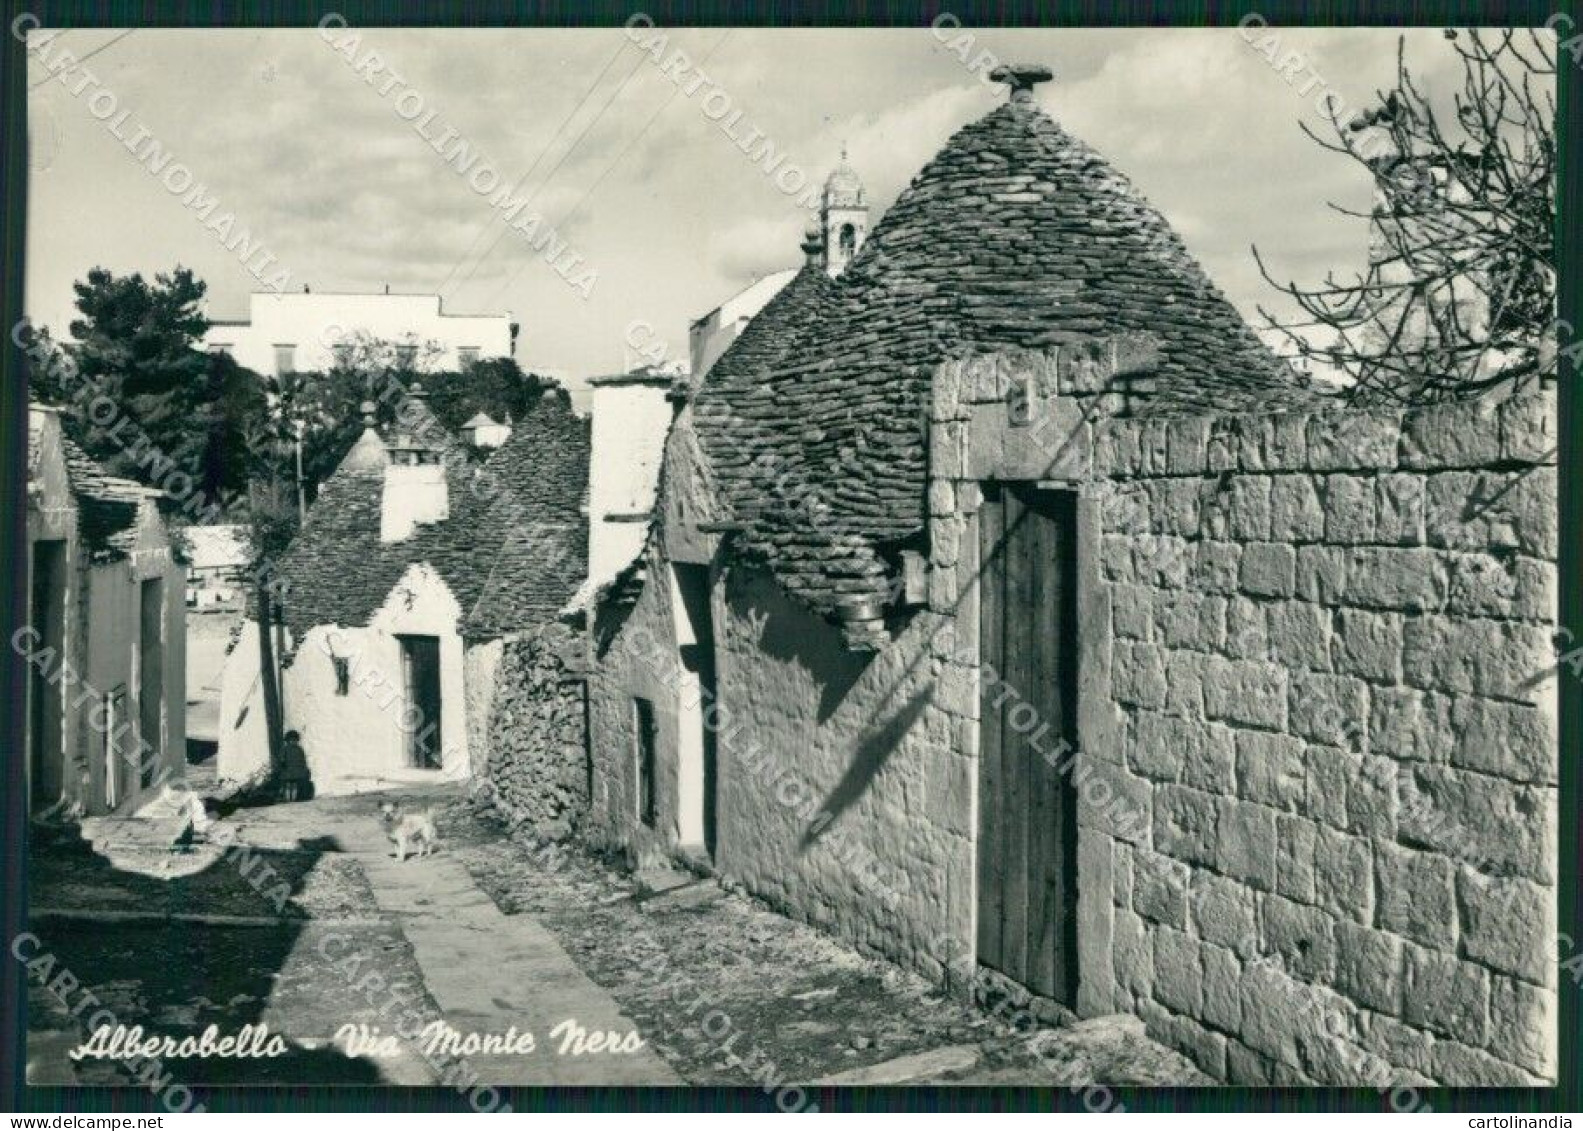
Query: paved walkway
482	936
488	972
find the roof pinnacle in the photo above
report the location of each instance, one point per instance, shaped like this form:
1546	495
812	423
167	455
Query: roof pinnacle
1021	78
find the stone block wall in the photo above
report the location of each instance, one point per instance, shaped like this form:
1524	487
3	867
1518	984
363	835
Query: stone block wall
537	750
640	660
1330	689
844	798
1318	761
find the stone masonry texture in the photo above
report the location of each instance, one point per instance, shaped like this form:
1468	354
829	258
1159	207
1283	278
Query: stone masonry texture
1317	769
537	747
1331	688
1316	756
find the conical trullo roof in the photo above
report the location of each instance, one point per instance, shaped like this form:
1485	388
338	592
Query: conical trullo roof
737	406
511	551
1016	235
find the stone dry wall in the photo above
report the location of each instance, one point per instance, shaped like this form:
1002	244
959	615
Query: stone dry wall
537	747
480	669
1331	699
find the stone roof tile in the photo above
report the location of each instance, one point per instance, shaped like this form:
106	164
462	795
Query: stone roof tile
1016	235
108	505
512	549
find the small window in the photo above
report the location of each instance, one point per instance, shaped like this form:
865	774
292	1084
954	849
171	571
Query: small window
343	674
406	356
285	360
848	240
342	352
643	720
220	349
466	356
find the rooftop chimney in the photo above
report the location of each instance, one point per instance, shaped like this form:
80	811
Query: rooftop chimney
813	244
415	488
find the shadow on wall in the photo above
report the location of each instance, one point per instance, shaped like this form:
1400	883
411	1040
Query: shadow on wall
792	634
878	743
789	633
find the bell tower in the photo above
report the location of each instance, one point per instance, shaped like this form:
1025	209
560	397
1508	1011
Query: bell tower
843	216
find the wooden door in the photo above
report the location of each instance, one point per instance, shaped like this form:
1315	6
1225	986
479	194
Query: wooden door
421	667
151	679
646	741
1027	828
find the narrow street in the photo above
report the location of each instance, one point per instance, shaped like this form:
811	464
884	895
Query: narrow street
488	935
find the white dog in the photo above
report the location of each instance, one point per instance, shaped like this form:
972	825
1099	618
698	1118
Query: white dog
409	832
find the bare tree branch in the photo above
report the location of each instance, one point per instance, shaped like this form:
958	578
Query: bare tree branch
1460	286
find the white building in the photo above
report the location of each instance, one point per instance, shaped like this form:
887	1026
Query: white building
217	567
712	334
300	332
484	431
399	590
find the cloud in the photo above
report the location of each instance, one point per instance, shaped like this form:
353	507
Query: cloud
751	249
668	210
890	147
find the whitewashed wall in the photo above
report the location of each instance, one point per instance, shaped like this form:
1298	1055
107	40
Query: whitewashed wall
630	422
354	742
243	740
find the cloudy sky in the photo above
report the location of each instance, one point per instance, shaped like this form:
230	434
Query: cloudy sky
327	175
